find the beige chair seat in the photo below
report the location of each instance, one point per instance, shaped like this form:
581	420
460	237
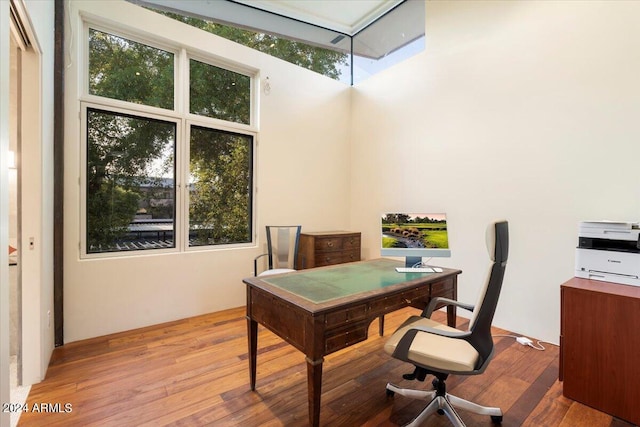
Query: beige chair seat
435	351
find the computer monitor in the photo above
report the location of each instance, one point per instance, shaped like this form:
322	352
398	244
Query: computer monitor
414	236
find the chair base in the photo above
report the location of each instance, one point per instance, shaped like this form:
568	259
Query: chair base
444	403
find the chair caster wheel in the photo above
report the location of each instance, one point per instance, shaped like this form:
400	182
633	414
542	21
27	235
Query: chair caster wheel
390	393
496	419
440	412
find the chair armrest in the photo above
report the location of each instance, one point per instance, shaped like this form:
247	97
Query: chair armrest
402	349
428	311
255	264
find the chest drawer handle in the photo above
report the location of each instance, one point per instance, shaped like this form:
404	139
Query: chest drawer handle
330	244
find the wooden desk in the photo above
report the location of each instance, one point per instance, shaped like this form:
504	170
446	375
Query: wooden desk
600	346
322	310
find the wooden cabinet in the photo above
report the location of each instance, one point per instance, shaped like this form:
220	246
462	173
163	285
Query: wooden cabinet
327	248
600	346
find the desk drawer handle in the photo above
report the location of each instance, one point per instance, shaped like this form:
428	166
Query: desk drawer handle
408	301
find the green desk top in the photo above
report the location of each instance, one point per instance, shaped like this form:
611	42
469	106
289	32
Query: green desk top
342	280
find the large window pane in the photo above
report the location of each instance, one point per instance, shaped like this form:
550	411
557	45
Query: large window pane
129	71
130	191
220	187
219	93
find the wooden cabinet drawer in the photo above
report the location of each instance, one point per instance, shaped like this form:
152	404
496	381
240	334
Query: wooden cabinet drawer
351	242
319	249
331	258
327	244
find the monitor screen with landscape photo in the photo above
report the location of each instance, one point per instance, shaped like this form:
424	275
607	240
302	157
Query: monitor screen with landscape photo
414	236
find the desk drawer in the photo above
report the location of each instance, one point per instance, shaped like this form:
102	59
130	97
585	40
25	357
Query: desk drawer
352	314
398	301
346	338
443	288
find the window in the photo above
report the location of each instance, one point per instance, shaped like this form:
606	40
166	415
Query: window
219	198
130	71
130	182
218	93
140	145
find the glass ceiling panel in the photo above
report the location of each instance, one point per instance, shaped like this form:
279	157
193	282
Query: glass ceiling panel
394	37
389	40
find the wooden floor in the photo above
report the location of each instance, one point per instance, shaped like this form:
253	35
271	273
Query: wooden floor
194	372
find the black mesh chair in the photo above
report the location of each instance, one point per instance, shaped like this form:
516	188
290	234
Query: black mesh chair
437	349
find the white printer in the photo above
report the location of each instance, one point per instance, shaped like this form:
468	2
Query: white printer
609	251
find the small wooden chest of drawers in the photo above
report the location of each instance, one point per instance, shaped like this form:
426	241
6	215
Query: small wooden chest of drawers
327	248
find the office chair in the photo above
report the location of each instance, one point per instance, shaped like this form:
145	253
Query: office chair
440	350
282	249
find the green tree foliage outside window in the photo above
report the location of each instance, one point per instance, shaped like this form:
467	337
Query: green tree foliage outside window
129	71
323	61
219	93
125	154
220	187
131	159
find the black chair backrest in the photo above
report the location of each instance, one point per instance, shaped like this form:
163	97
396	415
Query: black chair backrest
481	328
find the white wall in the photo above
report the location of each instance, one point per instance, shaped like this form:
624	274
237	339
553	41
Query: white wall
302	177
37	222
4	209
37	193
520	110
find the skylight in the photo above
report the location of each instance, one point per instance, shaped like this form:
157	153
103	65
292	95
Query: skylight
387	40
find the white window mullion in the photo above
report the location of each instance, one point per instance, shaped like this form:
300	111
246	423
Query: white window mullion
182	105
182	210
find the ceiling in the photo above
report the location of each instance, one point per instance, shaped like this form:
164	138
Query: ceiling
344	16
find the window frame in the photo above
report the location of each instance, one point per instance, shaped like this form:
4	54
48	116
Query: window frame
84	108
181	116
186	195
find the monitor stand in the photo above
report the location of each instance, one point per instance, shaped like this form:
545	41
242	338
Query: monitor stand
410	261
